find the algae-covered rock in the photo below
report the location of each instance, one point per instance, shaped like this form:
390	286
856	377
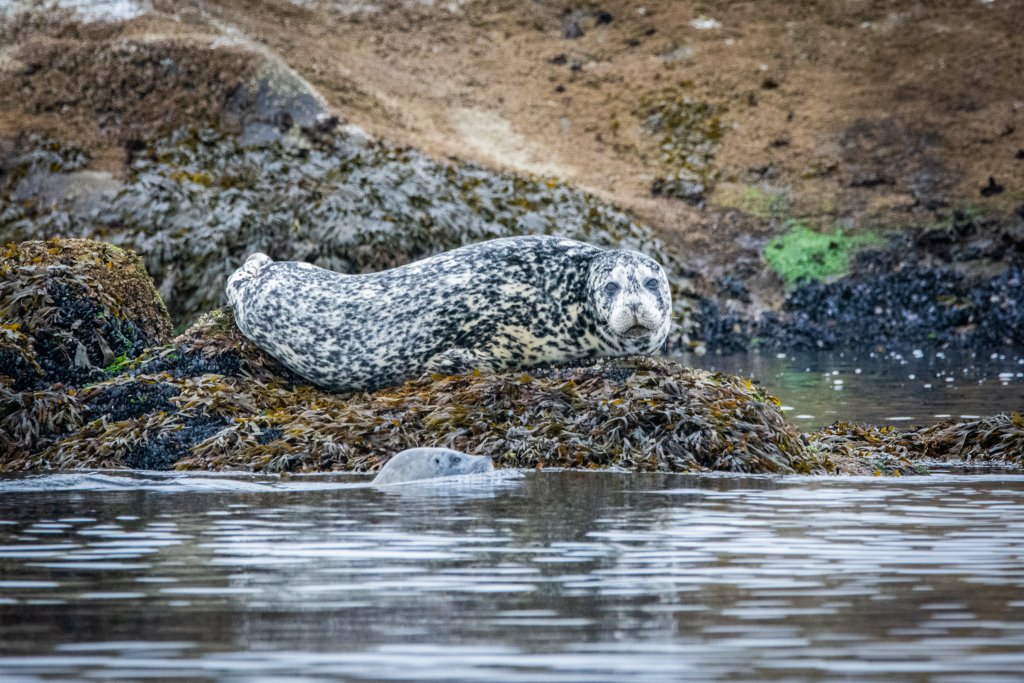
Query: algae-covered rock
197	203
213	401
69	308
995	440
688	133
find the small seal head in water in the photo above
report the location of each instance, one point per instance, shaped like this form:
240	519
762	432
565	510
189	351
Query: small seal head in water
506	304
416	464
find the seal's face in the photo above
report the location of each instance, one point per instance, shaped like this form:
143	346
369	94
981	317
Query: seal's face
416	464
631	301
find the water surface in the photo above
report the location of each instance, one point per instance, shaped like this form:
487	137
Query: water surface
917	388
543	576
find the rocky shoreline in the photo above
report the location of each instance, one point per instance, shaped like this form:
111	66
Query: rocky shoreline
154	151
90	379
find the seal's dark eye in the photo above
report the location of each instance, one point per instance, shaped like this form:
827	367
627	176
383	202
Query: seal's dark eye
652	284
611	289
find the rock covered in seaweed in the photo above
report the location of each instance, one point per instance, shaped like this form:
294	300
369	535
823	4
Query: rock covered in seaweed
214	401
197	203
994	440
68	310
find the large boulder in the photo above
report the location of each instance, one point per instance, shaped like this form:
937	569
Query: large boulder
71	312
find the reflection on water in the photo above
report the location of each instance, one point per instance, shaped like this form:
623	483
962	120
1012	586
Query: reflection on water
548	576
919	388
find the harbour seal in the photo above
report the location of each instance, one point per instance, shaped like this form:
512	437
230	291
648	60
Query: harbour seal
504	304
416	464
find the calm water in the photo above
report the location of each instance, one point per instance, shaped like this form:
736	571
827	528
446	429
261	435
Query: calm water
922	387
543	576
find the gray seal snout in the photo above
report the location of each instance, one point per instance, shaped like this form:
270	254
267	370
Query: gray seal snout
416	464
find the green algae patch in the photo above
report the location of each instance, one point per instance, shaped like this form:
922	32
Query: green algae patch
804	254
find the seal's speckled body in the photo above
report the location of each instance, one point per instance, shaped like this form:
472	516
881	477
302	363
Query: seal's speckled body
498	305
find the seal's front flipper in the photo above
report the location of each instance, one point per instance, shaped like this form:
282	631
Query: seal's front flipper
458	361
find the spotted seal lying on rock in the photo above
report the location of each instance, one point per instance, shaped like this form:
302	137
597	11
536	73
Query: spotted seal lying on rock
416	464
499	305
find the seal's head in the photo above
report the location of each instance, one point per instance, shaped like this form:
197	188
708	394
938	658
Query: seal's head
631	301
416	464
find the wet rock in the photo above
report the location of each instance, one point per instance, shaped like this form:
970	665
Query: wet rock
992	188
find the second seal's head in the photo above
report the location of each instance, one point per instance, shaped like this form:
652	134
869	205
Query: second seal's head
631	301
